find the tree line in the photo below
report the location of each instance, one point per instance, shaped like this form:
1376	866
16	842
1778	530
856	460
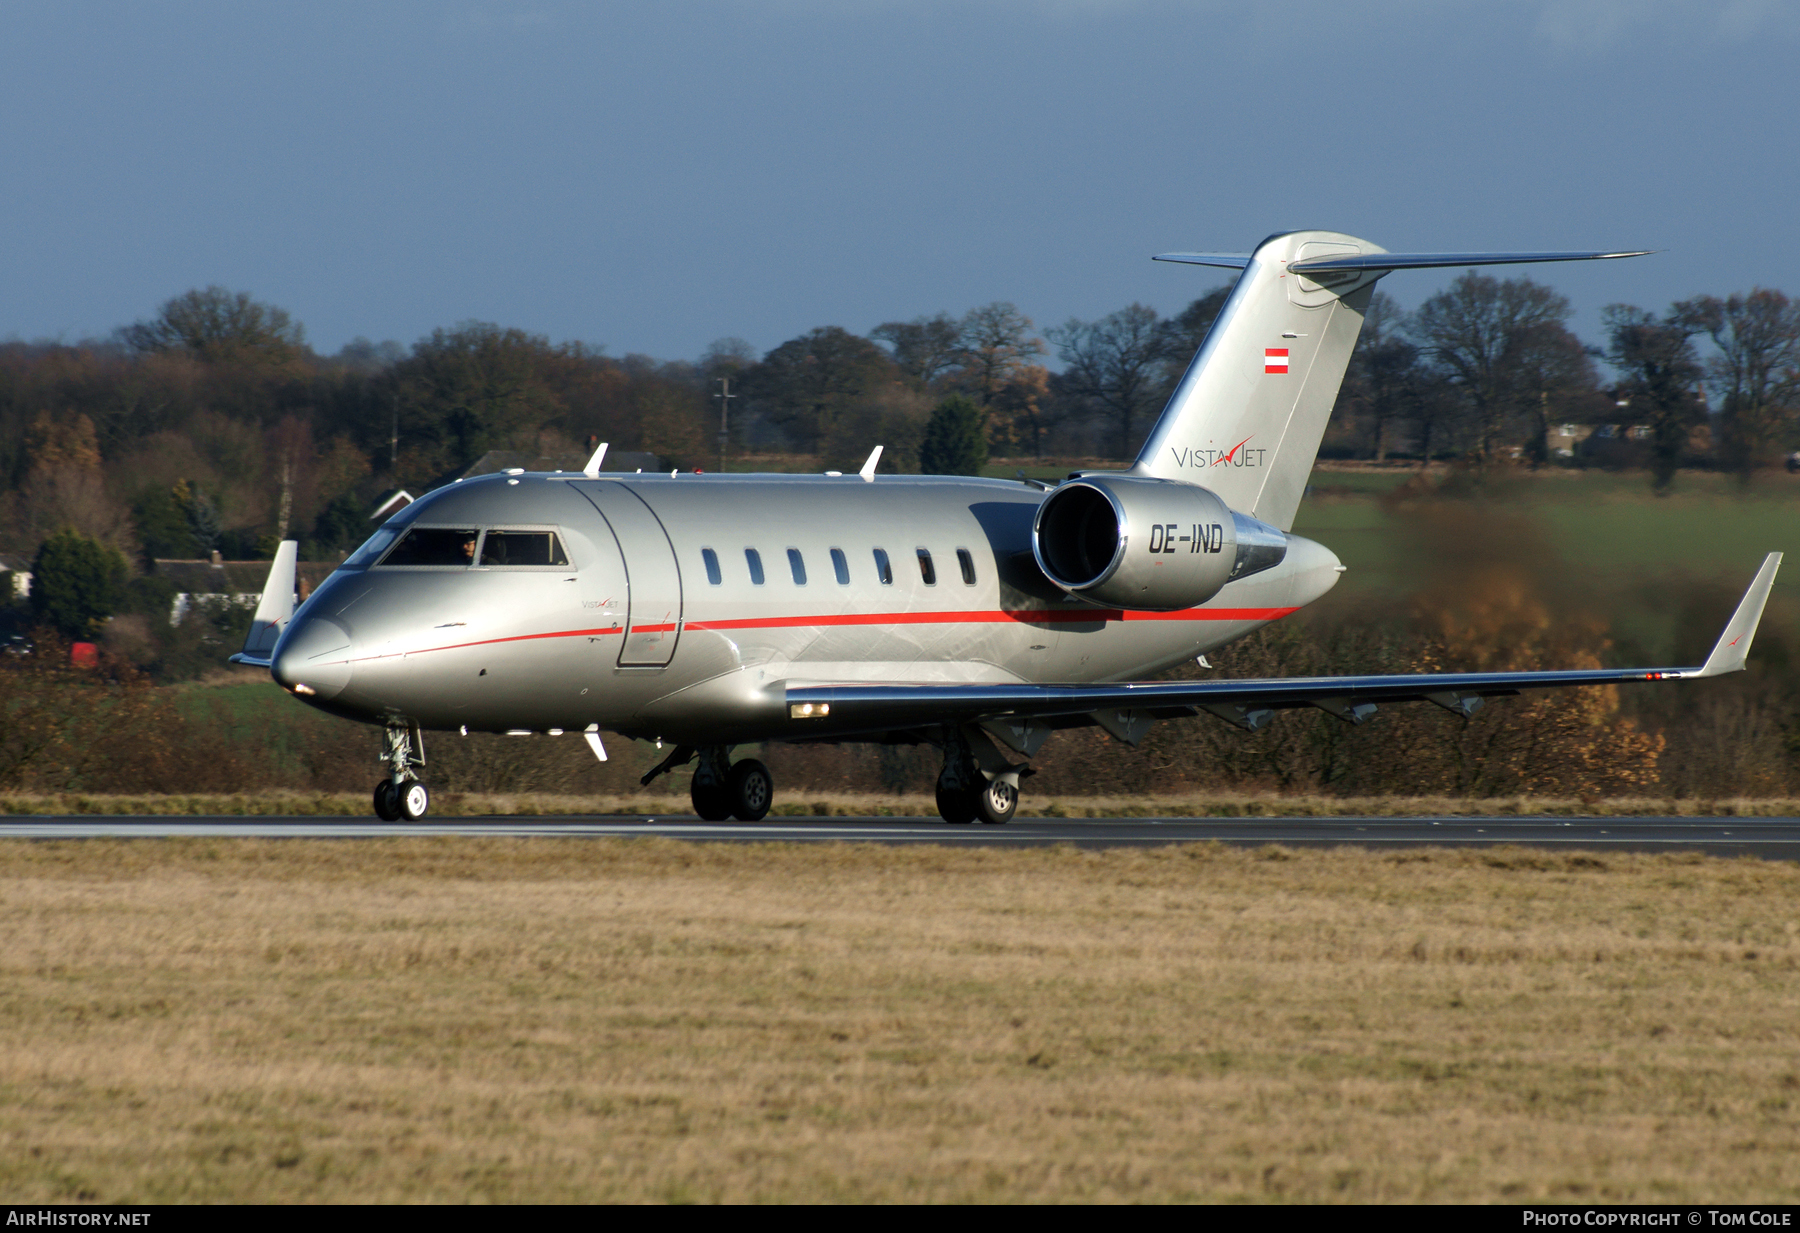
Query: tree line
213	426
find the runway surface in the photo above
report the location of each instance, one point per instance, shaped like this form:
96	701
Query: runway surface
1768	838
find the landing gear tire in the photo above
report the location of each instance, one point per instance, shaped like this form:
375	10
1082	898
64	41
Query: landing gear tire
414	800
712	801
750	790
955	805
387	806
995	802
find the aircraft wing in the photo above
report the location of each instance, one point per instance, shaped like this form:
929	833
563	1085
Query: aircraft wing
1248	703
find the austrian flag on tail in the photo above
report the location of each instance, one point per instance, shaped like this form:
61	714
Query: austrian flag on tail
1275	360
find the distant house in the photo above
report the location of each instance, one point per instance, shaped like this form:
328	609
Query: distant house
15	579
218	584
1563	439
393	503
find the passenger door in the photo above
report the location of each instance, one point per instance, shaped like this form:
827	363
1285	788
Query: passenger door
652	577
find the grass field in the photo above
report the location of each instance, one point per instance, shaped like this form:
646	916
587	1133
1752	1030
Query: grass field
1606	525
551	1020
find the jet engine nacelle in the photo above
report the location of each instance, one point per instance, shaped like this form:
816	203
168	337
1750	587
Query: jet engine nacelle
1147	544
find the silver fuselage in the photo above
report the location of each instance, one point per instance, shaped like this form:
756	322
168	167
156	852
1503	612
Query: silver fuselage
635	637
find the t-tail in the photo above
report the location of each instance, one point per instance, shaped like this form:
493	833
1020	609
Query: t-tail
1247	417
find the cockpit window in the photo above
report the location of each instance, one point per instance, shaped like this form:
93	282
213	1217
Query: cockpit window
522	548
434	546
372	547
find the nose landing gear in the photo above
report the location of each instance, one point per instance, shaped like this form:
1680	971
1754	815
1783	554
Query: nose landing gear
401	795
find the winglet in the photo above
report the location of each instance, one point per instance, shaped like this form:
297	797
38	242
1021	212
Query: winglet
592	470
274	609
868	468
1734	644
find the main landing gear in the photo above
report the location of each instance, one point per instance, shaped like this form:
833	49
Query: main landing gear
722	788
977	784
401	795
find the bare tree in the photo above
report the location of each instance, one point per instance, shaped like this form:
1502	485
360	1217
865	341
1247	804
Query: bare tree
1016	418
924	348
1382	383
1552	375
218	325
1480	331
997	342
1115	365
1188	328
806	383
1758	337
1657	366
290	453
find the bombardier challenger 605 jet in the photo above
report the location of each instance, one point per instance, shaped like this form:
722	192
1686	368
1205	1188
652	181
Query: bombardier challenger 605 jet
712	611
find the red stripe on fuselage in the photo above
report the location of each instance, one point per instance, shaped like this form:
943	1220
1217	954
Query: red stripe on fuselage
457	646
1023	616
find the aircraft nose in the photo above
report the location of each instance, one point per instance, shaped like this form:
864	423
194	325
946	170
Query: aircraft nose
313	658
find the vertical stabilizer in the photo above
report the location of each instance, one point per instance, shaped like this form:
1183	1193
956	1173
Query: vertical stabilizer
1246	419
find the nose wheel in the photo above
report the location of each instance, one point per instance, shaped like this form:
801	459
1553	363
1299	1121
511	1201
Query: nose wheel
400	796
408	800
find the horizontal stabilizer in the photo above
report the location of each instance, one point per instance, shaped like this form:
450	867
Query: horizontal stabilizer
1426	261
1734	642
1226	261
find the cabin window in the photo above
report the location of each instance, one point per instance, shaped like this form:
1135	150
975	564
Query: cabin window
434	546
798	566
711	559
968	566
883	570
927	570
840	567
754	559
522	548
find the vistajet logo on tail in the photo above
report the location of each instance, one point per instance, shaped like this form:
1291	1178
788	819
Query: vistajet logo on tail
1237	456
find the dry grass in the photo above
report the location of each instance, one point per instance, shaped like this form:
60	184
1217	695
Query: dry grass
674	801
555	1020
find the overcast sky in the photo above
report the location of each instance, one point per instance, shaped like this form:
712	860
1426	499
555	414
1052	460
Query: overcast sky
651	177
